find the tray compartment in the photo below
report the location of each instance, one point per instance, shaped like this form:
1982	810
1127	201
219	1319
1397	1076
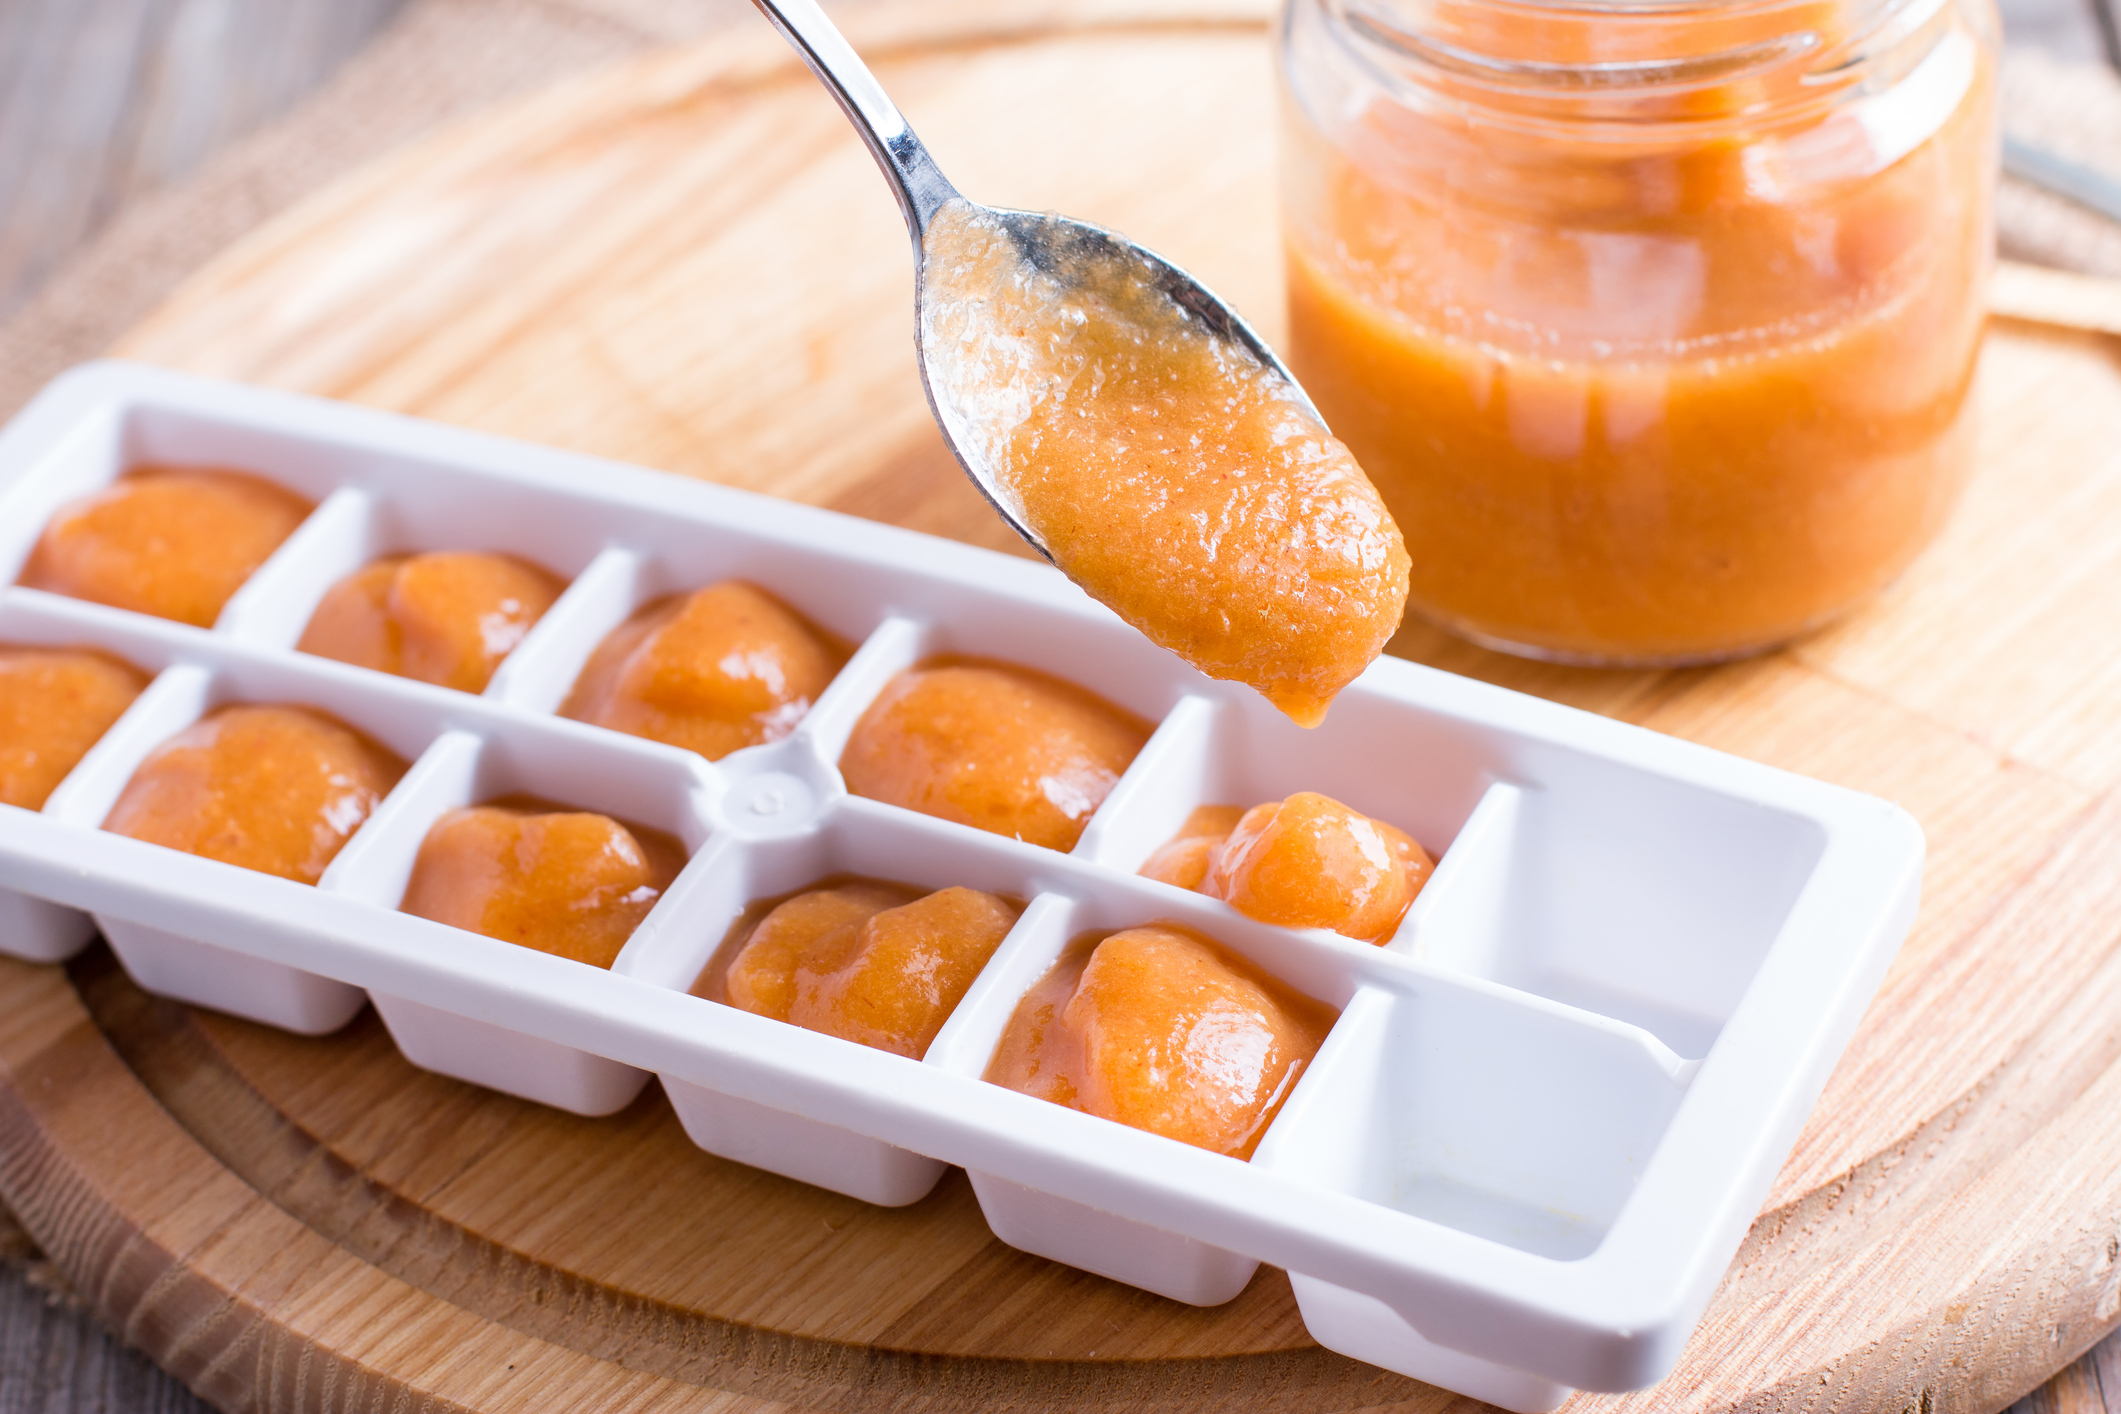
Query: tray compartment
355	527
424	491
104	448
900	643
1421	771
192	969
1366	1329
36	929
39	480
633	781
1077	1234
1136	676
173	965
809	1151
1509	1119
1166	1263
639	570
861	838
222	979
1123	668
1638	896
1517	1122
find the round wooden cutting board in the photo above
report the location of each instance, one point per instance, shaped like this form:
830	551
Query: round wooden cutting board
689	263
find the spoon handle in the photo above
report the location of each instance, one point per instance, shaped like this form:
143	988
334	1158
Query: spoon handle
919	185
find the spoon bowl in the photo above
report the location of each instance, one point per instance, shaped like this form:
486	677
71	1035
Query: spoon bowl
1079	254
1052	245
1131	427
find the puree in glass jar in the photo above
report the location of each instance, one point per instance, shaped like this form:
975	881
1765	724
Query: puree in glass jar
713	671
568	882
1159	1028
446	618
175	542
1304	862
275	789
1670	382
1177	480
879	964
994	746
55	703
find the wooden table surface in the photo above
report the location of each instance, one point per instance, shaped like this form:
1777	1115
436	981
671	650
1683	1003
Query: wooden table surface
103	102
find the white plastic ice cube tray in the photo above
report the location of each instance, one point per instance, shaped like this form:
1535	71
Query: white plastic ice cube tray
1524	1156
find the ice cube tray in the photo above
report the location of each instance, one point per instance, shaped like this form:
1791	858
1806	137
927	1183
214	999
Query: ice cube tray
1522	1159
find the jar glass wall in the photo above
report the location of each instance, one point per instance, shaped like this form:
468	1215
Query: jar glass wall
1653	320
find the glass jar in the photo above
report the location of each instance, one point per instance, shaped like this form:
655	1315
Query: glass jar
1653	320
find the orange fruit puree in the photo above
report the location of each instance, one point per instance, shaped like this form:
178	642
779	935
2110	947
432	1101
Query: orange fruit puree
872	963
1304	862
55	703
1640	403
275	789
567	882
712	671
1185	486
444	618
994	746
172	542
1159	1028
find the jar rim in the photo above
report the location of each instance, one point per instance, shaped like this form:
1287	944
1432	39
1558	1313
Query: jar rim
1685	65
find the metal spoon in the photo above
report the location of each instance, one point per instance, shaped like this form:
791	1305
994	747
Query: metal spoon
1058	246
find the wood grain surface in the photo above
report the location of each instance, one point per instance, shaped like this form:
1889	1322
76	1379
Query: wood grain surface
690	264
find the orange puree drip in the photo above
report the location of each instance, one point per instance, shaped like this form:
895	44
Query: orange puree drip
566	882
872	963
1158	1028
55	703
1304	862
275	789
444	618
1634	404
994	746
175	543
719	669
1178	481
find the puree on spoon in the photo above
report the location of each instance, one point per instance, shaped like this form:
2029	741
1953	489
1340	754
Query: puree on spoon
1186	485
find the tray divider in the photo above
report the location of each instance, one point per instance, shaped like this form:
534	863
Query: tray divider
274	605
541	671
173	701
897	644
969	1037
377	862
1156	791
1469	889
